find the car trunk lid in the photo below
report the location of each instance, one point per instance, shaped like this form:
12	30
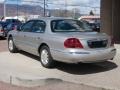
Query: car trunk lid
90	40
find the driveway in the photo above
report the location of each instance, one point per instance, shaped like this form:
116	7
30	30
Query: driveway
25	69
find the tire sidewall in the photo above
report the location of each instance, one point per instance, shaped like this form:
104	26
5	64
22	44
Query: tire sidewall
50	61
14	50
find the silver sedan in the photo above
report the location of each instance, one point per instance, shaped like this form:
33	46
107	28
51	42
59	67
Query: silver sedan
60	39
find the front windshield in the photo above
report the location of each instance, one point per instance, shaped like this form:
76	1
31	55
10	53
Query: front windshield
68	25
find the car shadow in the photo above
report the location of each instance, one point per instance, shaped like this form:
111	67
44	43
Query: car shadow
86	68
81	68
29	55
2	38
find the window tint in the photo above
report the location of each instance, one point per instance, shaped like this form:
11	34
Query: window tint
28	26
69	25
0	27
39	27
9	26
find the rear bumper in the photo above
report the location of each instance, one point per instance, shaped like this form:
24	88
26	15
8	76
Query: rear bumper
85	56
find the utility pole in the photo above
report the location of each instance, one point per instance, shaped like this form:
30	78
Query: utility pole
17	9
4	8
74	13
65	8
94	10
44	8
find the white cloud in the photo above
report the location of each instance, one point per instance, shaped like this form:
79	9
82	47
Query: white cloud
1	0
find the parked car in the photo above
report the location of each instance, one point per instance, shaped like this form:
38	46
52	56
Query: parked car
60	39
95	26
2	32
16	21
7	25
11	26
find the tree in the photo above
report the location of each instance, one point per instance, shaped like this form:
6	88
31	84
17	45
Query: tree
91	13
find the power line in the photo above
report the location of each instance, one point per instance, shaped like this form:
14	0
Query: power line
44	7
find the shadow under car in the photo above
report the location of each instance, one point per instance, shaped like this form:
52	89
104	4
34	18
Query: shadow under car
80	68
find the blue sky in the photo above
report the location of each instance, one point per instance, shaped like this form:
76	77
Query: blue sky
83	5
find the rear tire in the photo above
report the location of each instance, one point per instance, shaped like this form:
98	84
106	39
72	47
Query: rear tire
11	46
46	58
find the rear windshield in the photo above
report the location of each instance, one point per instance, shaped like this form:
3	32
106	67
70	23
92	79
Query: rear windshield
68	25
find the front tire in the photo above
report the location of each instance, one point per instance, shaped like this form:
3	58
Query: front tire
46	58
11	46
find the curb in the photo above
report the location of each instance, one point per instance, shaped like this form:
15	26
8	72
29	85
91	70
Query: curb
35	82
43	81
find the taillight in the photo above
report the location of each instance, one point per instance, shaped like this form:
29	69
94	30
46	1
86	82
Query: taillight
1	30
72	43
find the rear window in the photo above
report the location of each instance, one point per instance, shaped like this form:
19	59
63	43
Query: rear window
16	21
69	25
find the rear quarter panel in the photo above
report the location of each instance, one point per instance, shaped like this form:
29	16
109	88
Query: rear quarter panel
54	41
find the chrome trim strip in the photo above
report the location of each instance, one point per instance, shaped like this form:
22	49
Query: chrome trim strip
71	52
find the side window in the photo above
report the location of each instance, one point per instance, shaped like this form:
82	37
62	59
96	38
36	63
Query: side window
9	26
39	27
27	27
